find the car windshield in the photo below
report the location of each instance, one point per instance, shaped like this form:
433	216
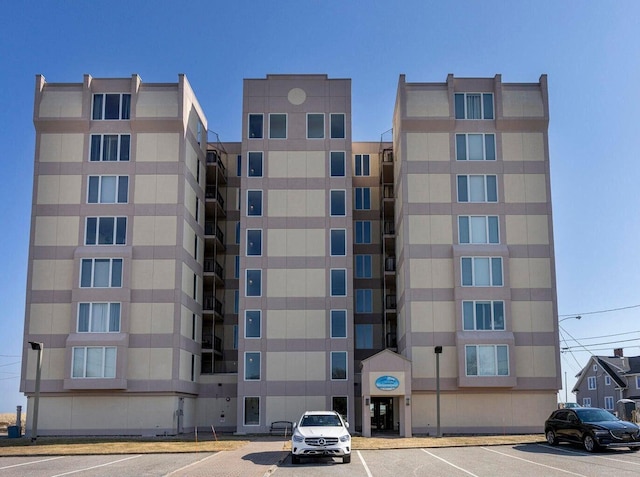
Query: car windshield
595	415
317	420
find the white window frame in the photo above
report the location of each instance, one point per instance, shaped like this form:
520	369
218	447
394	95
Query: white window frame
344	125
286	126
93	271
324	127
246	285
91	317
487	229
483	113
246	318
244	411
119	152
346	282
586	402
592	383
492	304
249	126
637	382
607	380
97	231
331	243
346	331
261	154
101	179
105	365
474	278
344	195
495	360
346	361
362	165
101	114
469	192
466	151
608	403
247	242
344	163
246	356
362	195
261	203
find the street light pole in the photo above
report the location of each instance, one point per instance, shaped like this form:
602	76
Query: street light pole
438	351
566	389
39	347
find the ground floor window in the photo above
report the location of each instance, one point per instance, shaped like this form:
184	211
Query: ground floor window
487	360
252	411
94	362
608	403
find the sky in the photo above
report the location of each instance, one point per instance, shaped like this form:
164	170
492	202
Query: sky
590	51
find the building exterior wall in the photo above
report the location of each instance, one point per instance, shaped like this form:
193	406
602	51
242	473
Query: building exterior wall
201	343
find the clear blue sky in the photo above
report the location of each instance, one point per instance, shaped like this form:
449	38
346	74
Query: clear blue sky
589	49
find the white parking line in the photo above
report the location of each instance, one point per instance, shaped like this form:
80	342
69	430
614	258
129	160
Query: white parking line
366	467
532	462
568	451
449	463
29	463
193	463
98	466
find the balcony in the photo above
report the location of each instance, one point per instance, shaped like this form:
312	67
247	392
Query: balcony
211	229
390	264
215	160
390	302
212	342
389	228
211	266
212	304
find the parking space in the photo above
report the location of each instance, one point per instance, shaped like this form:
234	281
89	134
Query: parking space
267	458
522	460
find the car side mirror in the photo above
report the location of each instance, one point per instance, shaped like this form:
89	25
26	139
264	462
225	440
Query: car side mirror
295	424
346	424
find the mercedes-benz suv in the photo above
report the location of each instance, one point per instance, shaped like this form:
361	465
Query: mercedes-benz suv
321	433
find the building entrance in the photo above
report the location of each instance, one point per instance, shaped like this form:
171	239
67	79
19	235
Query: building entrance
382	415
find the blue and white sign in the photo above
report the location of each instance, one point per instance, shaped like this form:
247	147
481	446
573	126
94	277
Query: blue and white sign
387	383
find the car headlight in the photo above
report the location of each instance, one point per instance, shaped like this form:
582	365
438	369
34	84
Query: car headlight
345	438
601	432
297	438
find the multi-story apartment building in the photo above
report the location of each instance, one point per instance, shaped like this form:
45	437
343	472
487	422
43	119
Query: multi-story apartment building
177	281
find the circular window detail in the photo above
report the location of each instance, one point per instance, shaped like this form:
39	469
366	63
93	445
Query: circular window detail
297	96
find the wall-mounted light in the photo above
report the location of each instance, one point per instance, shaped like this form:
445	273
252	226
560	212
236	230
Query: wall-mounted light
407	401
366	401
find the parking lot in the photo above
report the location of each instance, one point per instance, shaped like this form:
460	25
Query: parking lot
269	459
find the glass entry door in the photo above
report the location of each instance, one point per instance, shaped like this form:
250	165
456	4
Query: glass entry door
382	414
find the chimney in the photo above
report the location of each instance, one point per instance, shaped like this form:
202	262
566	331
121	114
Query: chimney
618	352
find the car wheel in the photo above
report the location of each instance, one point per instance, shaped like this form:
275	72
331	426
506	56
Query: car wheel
590	443
346	459
295	459
552	440
634	449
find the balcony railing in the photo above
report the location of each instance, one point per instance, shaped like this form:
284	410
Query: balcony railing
389	228
388	192
390	264
213	157
390	302
210	265
210	228
211	303
212	192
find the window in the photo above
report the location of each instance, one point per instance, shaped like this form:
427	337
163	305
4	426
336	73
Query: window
255	126
254	165
481	271
337	166
111	106
101	273
254	242
637	382
94	362
235	336
338	239
252	411
478	229
338	203
105	231
337	126
364	301
98	318
483	315
338	323
608	403
586	402
363	266
338	282
363	231
363	198
108	190
236	301
237	233
362	165
239	165
277	126
474	105
252	366
487	360
315	126
339	405
110	147
475	147
252	328
254	283
595	368
364	336
254	202
591	383
477	189
236	273
607	380
338	365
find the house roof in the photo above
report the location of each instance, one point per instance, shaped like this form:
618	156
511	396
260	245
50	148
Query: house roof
616	367
613	372
634	365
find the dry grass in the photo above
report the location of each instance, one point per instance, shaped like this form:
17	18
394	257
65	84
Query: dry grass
125	445
9	419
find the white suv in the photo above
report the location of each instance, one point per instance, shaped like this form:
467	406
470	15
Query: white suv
321	433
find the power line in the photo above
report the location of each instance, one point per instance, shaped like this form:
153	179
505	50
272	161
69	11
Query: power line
601	311
609	336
